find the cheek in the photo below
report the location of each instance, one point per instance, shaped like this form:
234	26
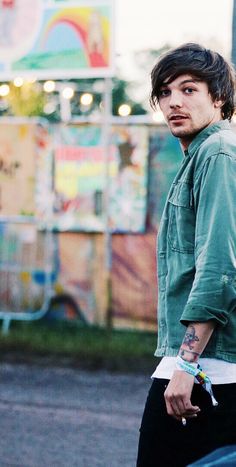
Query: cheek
164	104
162	107
201	112
205	108
164	112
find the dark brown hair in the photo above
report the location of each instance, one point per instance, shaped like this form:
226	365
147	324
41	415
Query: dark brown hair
204	64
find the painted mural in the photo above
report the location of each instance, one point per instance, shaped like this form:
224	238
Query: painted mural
134	287
44	159
26	251
77	259
82	274
134	281
25	169
128	185
56	39
17	169
165	157
79	178
81	181
27	265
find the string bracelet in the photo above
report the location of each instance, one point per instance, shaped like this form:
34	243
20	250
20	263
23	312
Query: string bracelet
195	370
188	367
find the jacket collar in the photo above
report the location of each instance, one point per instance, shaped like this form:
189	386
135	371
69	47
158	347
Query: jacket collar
204	134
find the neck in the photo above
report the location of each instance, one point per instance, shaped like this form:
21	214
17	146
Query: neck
185	142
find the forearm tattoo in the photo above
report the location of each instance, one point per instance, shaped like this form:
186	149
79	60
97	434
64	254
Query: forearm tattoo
190	337
189	355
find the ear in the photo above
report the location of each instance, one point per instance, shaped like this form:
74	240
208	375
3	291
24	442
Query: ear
218	104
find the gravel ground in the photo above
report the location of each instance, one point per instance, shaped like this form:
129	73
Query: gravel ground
68	417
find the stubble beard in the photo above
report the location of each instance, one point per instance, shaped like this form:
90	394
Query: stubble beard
185	134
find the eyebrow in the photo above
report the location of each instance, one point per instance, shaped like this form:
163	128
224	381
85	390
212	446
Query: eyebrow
182	82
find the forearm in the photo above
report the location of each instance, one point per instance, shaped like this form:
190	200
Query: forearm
179	389
195	340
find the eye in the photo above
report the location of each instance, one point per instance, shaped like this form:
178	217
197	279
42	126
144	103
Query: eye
164	93
189	90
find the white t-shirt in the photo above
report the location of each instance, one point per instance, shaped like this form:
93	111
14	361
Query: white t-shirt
219	371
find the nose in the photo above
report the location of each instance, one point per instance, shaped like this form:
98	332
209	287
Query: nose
175	99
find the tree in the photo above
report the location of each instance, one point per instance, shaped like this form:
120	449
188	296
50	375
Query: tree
120	95
27	100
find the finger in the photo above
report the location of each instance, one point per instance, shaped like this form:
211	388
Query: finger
189	408
190	412
174	403
172	408
169	408
183	408
177	406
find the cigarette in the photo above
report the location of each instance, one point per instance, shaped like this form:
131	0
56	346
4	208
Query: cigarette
184	421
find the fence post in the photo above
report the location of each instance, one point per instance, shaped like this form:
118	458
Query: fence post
107	98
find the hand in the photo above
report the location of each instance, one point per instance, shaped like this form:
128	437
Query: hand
177	396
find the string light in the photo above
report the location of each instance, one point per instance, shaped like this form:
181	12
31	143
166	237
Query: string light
68	92
86	99
18	81
124	110
4	90
49	86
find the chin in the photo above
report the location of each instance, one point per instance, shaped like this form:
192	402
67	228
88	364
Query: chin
181	133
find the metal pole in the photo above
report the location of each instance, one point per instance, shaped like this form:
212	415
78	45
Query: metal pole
65	107
107	113
233	48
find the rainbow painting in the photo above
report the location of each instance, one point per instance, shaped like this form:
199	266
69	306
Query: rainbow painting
72	41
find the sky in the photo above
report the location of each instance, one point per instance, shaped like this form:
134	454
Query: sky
144	24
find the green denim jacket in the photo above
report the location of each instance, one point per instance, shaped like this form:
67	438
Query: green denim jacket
196	252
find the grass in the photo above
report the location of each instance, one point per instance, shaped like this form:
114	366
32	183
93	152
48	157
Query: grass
62	343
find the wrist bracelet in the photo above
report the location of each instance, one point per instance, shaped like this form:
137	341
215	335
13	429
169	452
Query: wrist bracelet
195	370
188	367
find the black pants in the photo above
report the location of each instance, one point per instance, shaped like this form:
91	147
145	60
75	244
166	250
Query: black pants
165	442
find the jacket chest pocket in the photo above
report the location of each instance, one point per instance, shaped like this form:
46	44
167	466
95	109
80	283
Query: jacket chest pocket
181	228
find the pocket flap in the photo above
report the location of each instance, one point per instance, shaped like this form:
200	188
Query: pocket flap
182	195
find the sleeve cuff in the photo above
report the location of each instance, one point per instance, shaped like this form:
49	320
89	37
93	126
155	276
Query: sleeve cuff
194	313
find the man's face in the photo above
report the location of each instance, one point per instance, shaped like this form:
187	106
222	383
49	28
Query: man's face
188	107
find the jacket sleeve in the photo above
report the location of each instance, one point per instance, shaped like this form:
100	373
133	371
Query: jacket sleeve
213	293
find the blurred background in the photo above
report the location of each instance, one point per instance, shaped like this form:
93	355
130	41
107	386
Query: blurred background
85	168
85	164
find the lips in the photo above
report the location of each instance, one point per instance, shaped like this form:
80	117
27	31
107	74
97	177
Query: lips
177	117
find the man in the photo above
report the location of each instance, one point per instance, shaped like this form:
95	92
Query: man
196	255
